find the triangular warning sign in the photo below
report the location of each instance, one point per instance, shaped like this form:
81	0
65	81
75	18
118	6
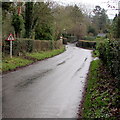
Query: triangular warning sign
10	37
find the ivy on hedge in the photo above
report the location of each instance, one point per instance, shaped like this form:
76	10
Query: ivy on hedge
109	52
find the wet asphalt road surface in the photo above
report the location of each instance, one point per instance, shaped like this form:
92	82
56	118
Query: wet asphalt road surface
51	88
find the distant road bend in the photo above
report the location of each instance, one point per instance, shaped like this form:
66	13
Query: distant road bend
51	88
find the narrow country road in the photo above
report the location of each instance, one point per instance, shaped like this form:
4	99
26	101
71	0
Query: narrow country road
51	88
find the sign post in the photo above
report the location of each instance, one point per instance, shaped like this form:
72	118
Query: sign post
10	38
11	49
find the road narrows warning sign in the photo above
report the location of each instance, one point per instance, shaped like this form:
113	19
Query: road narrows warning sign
10	38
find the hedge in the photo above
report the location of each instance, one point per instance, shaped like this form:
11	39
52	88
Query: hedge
86	44
22	46
109	53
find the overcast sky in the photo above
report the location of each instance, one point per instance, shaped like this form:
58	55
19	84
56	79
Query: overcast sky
109	5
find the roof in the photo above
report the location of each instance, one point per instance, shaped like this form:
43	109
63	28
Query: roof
101	34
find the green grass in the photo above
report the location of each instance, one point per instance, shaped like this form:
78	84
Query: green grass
95	53
13	63
95	103
47	54
92	83
99	95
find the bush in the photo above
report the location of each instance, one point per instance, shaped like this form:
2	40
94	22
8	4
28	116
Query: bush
89	38
71	39
21	46
98	39
109	53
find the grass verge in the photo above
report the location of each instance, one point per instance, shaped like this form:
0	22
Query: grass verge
44	55
102	96
13	63
9	64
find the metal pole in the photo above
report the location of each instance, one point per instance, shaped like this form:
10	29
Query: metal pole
11	49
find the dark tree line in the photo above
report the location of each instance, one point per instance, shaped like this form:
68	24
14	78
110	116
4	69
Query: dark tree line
49	20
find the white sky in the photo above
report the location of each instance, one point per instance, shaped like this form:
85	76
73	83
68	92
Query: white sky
109	5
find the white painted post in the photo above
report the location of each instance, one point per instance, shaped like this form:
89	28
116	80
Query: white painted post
10	48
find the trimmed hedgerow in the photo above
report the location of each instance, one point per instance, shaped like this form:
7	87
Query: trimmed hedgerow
109	53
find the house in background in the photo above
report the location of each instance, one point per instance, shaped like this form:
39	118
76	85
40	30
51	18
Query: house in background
101	35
